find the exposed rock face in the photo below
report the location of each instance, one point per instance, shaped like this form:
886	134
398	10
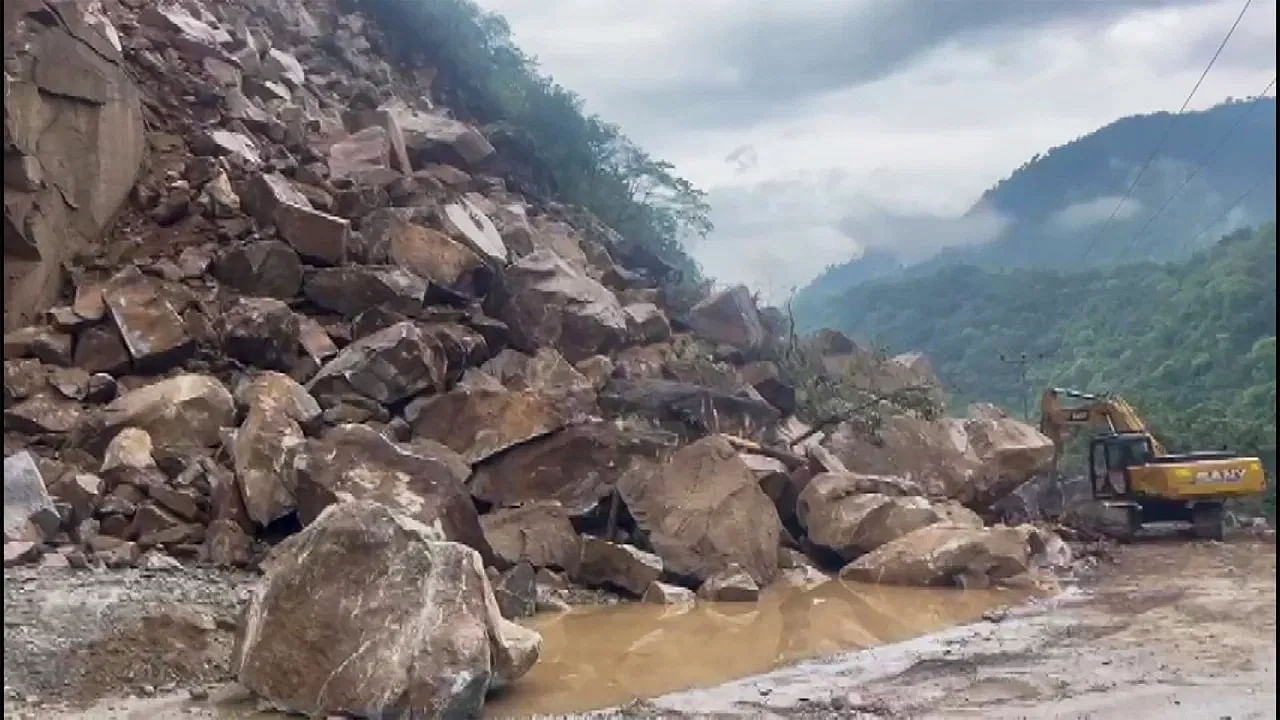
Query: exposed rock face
29	514
619	566
537	532
429	640
73	127
976	460
181	411
729	317
848	522
703	511
355	462
939	554
577	466
551	304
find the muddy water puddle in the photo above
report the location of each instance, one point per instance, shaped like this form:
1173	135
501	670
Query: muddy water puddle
605	656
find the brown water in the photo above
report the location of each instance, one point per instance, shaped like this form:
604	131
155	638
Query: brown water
605	656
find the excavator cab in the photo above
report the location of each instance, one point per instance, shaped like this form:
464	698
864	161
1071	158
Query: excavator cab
1111	459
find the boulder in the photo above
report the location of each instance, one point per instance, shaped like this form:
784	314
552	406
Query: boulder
355	462
46	412
40	342
938	554
130	449
479	422
467	223
317	237
731	584
181	411
226	544
267	192
29	514
262	332
387	366
840	518
550	304
614	565
354	289
22	379
660	593
548	372
729	317
765	378
152	330
99	348
577	466
73	128
262	456
703	511
429	640
682	406
277	392
82	491
363	158
538	532
646	323
220	143
452	267
280	65
266	268
517	591
433	136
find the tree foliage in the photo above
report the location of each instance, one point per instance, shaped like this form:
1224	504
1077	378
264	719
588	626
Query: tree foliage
1191	344
578	158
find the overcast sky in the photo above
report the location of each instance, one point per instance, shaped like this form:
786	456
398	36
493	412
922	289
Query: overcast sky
817	126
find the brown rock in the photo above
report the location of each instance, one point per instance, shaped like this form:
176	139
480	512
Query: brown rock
267	268
44	412
351	290
729	317
537	532
276	392
363	158
660	593
181	411
71	382
480	422
266	192
447	263
938	554
646	323
82	491
765	378
130	449
152	330
355	462
552	305
22	378
849	523
184	502
227	545
21	552
220	143
262	332
731	584
388	366
467	223
280	65
619	566
38	341
262	454
703	510
577	466
29	514
516	592
436	136
360	554
318	237
99	348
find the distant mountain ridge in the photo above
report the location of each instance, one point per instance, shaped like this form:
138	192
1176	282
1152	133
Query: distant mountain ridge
1056	204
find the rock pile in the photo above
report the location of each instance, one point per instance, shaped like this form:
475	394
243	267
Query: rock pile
259	285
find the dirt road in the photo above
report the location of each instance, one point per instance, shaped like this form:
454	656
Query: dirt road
1170	629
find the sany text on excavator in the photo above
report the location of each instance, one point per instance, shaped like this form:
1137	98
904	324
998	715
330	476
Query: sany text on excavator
1131	473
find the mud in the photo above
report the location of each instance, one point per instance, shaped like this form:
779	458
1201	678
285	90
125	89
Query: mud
1169	629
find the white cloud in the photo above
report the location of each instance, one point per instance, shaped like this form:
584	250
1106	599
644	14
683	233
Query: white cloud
1088	214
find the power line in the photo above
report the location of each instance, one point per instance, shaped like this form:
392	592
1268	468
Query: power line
1204	162
1165	136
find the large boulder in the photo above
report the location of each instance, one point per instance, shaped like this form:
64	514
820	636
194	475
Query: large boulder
151	328
388	366
703	510
941	554
729	317
181	411
355	462
261	453
428	639
551	304
684	405
836	515
467	223
577	466
74	143
479	422
433	136
618	566
353	289
975	460
537	532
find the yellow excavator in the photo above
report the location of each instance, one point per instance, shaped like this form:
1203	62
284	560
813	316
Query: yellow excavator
1132	474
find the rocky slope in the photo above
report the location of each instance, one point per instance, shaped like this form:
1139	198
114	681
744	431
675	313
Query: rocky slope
258	283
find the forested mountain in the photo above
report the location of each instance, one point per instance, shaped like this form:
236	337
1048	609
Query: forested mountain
1057	203
1191	343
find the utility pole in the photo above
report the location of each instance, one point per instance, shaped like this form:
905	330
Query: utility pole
1022	360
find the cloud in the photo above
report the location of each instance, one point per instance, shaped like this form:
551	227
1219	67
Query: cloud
1088	214
743	158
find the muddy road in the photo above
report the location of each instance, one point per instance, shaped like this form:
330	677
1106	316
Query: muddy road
1163	628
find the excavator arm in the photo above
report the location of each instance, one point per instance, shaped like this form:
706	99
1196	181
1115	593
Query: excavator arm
1062	409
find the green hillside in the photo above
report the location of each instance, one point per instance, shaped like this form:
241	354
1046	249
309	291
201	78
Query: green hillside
1192	343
